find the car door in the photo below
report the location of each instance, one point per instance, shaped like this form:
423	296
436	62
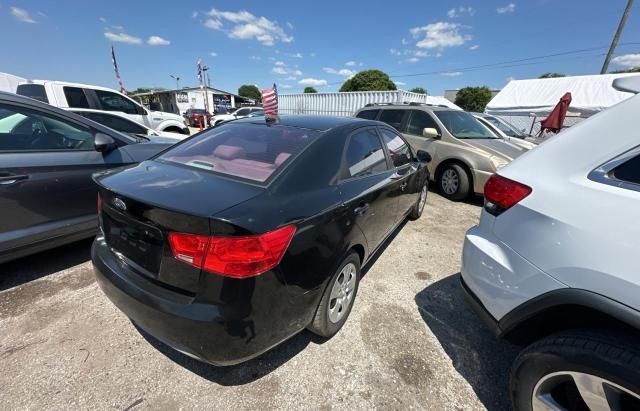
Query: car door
403	183
417	122
110	101
46	162
364	185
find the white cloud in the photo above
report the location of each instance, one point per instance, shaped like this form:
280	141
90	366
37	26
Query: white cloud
279	63
342	72
214	54
290	25
282	69
509	8
284	86
122	38
412	60
404	41
440	35
474	47
312	82
312	54
22	15
247	26
400	83
118	28
194	14
453	13
294	55
452	73
157	41
350	64
102	19
627	60
420	53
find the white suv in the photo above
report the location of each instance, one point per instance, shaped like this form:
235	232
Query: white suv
555	260
73	95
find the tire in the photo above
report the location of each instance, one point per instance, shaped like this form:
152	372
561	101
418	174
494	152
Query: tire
324	323
418	207
542	369
454	182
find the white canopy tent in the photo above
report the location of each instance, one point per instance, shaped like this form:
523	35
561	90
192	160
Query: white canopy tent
9	82
521	101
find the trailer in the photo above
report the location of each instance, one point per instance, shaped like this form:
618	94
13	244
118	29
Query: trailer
347	103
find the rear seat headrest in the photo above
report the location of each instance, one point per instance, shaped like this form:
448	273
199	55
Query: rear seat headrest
229	152
281	158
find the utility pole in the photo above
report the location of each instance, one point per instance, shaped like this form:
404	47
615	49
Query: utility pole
616	37
177	79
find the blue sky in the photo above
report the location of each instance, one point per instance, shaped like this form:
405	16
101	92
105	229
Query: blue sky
311	43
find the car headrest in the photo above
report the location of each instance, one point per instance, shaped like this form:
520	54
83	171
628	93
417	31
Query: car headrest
229	152
281	158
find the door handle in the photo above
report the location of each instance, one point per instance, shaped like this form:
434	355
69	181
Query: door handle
362	209
403	186
11	179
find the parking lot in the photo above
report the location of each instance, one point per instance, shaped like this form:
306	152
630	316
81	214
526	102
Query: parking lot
411	341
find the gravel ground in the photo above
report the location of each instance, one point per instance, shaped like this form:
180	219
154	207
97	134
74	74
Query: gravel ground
411	340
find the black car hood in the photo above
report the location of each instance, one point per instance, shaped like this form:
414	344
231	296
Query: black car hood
143	151
497	147
177	188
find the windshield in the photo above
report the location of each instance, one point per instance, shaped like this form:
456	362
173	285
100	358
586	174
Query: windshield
463	125
505	127
249	151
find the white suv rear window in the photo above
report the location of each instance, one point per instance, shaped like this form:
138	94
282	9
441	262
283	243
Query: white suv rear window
249	151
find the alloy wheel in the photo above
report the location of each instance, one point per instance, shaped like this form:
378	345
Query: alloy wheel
341	296
450	181
423	199
575	390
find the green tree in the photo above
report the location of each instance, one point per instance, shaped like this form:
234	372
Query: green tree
419	90
473	98
250	91
552	75
369	80
629	70
310	90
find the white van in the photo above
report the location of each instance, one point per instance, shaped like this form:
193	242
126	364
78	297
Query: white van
73	95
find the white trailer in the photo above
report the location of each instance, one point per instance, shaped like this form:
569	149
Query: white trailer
346	104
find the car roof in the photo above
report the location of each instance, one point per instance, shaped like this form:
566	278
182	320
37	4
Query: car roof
65	83
319	123
425	107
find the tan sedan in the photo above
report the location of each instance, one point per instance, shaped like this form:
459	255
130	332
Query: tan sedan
464	152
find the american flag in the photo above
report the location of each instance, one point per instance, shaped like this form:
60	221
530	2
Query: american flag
270	101
115	67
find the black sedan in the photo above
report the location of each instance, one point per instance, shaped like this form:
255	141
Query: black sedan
47	157
240	237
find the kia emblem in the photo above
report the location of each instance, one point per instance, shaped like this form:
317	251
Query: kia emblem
119	204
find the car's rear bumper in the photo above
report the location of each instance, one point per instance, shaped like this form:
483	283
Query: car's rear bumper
498	277
223	334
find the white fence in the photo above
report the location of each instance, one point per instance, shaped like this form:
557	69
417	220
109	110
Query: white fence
342	104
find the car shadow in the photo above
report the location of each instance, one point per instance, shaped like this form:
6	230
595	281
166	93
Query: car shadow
478	356
262	365
474	199
32	267
243	373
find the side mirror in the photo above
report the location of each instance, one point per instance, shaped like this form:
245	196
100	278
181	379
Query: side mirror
430	132
103	143
423	156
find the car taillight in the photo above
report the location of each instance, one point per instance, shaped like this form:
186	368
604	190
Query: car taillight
500	194
238	257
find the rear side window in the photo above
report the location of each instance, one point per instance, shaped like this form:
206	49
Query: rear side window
393	117
35	91
419	121
368	114
249	151
365	154
398	149
629	171
76	97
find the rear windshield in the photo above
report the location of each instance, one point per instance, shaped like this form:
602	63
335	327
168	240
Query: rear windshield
34	91
250	151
